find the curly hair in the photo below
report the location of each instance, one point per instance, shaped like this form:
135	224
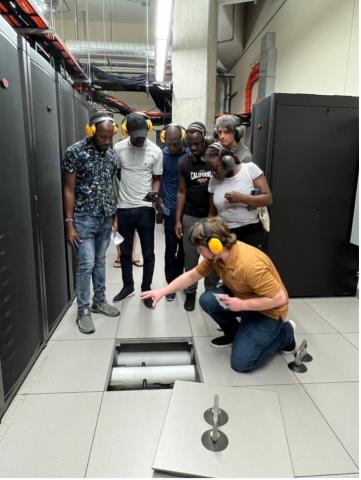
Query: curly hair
215	226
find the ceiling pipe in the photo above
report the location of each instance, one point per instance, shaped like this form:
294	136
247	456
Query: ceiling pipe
115	50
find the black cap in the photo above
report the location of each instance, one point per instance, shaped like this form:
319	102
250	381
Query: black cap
136	125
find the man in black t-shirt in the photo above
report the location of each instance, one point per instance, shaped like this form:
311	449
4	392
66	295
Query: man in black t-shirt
193	201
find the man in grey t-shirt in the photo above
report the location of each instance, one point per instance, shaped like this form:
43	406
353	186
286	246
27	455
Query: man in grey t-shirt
229	133
141	164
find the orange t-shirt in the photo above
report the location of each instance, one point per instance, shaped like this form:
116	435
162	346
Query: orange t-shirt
249	273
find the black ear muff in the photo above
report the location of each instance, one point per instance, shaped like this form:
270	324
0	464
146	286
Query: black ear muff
227	160
239	133
212	241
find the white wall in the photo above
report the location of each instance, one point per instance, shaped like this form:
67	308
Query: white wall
317	47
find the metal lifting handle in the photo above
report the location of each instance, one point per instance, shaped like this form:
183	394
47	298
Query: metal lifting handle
215	430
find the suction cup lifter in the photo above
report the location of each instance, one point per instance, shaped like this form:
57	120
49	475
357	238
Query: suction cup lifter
214	439
301	355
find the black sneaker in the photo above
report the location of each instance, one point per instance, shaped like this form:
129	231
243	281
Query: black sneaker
170	297
221	342
124	293
291	348
190	302
148	302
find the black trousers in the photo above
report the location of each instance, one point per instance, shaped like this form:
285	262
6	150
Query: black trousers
252	234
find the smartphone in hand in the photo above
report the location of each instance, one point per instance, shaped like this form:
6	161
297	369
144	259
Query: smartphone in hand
151	197
254	191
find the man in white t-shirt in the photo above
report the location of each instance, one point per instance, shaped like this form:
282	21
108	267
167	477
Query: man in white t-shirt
141	163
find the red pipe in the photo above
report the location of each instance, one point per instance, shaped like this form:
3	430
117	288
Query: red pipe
252	79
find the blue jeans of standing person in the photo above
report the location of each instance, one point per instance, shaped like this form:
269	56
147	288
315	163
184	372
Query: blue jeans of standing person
174	254
141	219
90	264
255	338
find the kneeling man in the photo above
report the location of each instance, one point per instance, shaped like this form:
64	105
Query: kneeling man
252	304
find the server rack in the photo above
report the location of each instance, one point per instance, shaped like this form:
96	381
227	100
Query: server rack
46	165
21	320
307	145
66	118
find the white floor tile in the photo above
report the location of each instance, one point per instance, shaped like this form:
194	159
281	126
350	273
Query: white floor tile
202	324
249	452
314	448
353	338
334	359
343	315
216	369
125	439
338	403
330	300
164	321
48	435
105	327
307	320
70	366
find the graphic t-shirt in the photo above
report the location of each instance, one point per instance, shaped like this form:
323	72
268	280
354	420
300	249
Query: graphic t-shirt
196	174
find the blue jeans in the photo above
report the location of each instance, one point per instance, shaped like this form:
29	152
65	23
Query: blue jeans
255	339
174	254
141	219
95	234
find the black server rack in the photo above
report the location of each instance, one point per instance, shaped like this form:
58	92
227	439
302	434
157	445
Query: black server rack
67	134
46	167
307	145
21	324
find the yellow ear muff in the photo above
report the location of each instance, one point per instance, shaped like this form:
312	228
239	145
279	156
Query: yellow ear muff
123	127
149	126
162	136
215	246
90	130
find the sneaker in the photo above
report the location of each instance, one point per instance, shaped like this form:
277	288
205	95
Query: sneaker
85	322
221	342
170	297
148	302
292	346
105	309
190	302
124	293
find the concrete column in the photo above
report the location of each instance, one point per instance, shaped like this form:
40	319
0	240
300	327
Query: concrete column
194	61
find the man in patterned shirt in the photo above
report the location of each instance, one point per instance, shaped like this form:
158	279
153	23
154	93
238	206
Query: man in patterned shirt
89	166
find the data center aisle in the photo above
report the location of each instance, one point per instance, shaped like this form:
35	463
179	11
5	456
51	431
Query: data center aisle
63	422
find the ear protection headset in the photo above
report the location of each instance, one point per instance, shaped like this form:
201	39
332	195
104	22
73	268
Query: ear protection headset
212	241
199	127
148	121
238	133
226	157
180	128
90	128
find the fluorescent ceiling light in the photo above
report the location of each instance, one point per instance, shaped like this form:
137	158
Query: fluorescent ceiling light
162	32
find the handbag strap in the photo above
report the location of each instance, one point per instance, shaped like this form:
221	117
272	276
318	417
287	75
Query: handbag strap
245	165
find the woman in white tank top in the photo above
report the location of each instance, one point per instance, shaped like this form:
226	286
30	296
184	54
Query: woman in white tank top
236	190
